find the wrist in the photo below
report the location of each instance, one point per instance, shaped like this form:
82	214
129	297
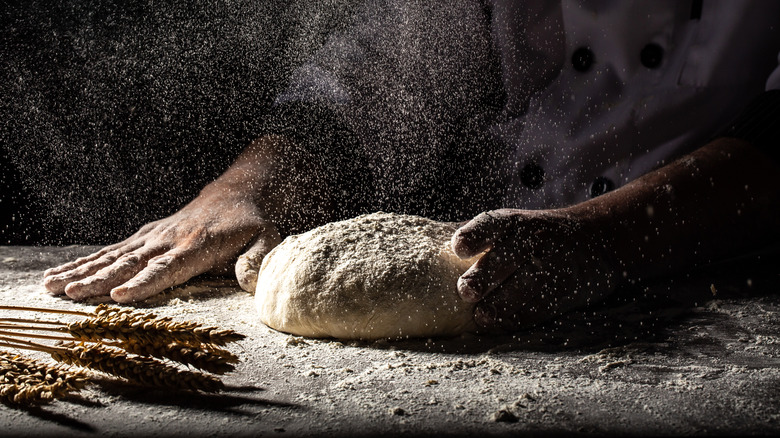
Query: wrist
598	225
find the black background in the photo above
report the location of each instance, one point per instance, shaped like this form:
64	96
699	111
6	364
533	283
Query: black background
114	114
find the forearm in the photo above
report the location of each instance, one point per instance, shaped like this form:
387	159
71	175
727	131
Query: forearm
720	200
251	173
281	180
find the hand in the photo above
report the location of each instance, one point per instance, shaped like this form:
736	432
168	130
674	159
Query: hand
205	236
539	264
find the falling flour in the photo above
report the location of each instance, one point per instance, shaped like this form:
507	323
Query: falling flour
379	275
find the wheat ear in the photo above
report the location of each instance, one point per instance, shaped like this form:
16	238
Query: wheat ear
143	370
207	358
25	381
109	322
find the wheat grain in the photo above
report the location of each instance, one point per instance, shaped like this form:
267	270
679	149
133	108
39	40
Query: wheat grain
25	381
144	335
143	370
33	393
15	394
50	373
124	324
207	358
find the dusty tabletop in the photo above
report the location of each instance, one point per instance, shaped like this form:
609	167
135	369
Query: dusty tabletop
641	363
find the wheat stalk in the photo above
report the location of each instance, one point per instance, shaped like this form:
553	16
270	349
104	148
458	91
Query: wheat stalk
210	358
31	335
206	357
143	370
124	324
143	335
45	310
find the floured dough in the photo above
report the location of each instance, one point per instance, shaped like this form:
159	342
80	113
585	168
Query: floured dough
379	275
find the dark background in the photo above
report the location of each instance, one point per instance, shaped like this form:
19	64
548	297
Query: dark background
114	114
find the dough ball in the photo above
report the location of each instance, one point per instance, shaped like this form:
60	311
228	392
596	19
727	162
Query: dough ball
379	275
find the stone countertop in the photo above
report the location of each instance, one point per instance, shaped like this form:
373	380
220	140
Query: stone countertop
671	358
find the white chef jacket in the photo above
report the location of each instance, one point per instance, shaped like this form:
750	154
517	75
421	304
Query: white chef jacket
598	126
595	93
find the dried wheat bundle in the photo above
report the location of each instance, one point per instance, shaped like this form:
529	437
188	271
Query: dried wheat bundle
140	347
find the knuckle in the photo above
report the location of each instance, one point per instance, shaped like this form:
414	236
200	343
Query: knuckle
71	275
483	218
110	256
161	261
129	258
166	233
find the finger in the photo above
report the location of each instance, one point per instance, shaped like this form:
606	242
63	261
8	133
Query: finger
161	272
56	283
525	299
248	264
512	305
481	232
80	261
107	278
489	272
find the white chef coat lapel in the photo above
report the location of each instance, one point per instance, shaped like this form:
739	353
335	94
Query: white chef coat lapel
629	95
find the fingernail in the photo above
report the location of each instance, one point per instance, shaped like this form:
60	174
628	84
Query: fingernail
467	291
118	293
76	291
485	315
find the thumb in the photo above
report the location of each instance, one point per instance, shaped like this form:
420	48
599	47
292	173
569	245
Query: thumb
248	264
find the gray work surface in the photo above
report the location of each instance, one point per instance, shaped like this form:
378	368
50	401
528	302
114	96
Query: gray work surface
630	366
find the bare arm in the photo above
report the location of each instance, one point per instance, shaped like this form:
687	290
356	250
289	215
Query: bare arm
721	200
263	190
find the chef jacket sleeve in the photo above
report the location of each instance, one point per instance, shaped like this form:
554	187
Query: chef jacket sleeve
759	122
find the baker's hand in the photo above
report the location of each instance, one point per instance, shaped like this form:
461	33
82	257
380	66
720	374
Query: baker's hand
539	264
207	235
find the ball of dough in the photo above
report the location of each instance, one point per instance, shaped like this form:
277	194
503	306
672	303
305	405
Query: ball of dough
379	275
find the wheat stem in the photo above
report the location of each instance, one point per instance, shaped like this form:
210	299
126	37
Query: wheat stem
31	321
39	309
32	335
23	342
24	347
32	327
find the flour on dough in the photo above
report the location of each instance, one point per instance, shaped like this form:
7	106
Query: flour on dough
379	275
